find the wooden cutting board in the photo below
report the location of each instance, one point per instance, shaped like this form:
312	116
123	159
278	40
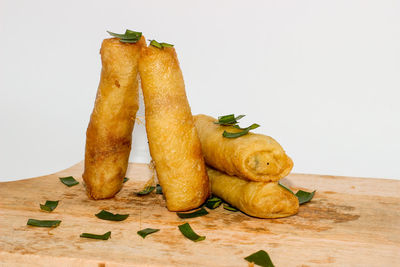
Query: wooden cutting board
350	222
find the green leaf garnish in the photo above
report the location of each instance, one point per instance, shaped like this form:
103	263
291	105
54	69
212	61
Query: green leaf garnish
49	205
146	191
213	203
44	223
166	45
288	189
188	232
197	213
143	233
105	215
301	195
69	181
160	45
244	132
125	180
158	189
128	37
228	119
230	208
260	258
93	236
304	196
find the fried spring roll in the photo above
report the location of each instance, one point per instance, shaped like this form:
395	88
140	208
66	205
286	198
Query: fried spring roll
258	199
173	140
109	134
255	157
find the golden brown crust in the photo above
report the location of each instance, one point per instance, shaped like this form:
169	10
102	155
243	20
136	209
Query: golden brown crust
109	134
258	199
253	156
173	141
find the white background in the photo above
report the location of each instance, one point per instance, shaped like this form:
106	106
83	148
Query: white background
321	77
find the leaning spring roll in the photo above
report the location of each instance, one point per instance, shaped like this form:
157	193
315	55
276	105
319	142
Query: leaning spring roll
173	141
109	134
255	157
258	199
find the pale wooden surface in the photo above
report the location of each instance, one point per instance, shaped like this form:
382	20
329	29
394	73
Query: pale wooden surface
350	222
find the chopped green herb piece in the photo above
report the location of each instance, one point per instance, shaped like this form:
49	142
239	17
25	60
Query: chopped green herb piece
155	43
146	191
125	179
105	215
230	208
228	119
301	195
93	236
197	213
253	126
304	196
166	45
143	233
213	203
288	189
160	45
49	205
158	189
128	37
45	223
188	232
69	181
260	258
243	132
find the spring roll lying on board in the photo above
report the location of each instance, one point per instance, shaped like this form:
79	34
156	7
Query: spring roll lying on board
109	134
173	140
255	157
258	199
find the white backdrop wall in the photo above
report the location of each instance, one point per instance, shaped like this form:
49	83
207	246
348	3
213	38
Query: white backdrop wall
321	77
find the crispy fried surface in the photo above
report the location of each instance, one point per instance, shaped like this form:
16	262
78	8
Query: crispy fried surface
258	199
253	156
173	141
109	134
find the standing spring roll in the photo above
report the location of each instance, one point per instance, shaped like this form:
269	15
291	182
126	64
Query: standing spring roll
173	141
253	156
109	134
258	199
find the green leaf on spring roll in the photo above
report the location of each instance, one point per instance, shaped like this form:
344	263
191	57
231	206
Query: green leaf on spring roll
143	233
260	258
230	208
228	119
128	37
125	180
160	45
94	236
105	215
69	181
304	196
243	132
213	203
146	191
43	223
166	45
188	232
49	205
197	213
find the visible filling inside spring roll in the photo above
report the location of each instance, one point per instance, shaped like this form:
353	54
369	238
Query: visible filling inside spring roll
255	157
264	162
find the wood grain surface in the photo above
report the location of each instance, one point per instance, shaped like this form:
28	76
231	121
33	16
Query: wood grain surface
350	222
